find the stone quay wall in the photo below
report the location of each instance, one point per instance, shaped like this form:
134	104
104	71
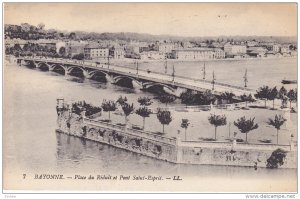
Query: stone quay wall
173	149
136	141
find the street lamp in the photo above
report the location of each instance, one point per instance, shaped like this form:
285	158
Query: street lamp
137	67
213	80
204	72
173	74
166	65
245	78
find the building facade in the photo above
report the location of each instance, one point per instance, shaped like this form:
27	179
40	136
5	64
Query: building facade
198	54
116	53
166	47
231	50
152	55
93	52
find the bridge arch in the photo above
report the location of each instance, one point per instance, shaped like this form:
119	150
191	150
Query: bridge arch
76	71
98	75
159	88
127	81
43	66
58	68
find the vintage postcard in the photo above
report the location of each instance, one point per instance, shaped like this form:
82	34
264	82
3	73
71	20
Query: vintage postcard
150	97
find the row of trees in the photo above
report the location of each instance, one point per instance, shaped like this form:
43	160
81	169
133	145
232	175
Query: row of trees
32	49
245	125
266	93
144	111
30	32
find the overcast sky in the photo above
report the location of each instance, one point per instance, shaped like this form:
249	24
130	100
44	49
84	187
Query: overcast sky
182	19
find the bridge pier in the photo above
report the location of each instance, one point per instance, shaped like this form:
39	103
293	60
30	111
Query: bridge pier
137	86
176	92
110	79
86	74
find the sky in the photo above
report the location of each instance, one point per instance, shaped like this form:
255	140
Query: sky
180	19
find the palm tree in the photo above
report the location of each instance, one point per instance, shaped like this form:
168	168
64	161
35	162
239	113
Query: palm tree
127	109
263	93
185	124
109	106
143	112
217	120
164	118
166	99
277	123
144	101
245	126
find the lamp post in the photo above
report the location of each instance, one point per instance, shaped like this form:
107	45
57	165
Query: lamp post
245	78
204	72
166	65
173	74
213	81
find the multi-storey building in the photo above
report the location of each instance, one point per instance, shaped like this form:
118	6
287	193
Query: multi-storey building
166	47
198	54
116	52
232	50
95	52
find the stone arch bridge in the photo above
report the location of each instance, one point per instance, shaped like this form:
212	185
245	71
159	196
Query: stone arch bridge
129	77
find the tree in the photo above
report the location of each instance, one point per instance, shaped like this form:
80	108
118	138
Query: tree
276	123
166	99
185	124
122	100
187	97
228	96
245	126
109	106
282	92
273	93
247	98
263	93
164	118
79	56
143	112
62	51
282	95
72	36
144	101
127	109
292	96
217	120
41	26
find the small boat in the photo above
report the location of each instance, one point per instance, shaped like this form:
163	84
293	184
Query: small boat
289	81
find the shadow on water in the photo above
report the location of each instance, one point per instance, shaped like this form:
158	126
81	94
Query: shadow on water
106	158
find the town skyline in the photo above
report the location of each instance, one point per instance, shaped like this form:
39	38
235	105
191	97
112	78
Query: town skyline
177	20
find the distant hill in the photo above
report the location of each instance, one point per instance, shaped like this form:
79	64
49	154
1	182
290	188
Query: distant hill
27	31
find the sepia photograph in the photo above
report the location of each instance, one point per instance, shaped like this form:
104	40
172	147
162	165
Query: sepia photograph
150	98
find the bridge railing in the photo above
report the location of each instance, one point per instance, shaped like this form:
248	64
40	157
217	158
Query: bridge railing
148	134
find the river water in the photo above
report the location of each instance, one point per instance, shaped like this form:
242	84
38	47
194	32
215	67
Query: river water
31	145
